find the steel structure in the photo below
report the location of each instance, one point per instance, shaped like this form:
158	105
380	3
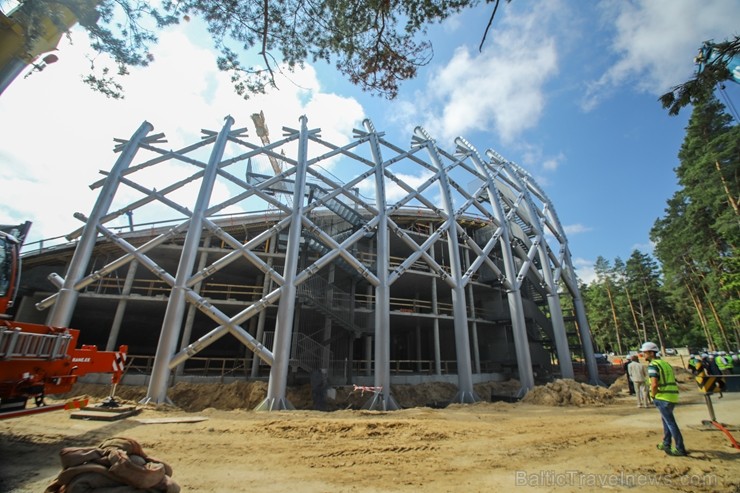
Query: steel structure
493	247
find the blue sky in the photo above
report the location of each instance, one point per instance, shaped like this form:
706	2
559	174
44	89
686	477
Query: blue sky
566	89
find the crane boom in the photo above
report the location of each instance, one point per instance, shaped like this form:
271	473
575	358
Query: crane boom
264	135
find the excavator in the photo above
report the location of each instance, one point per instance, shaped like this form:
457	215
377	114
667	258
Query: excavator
38	360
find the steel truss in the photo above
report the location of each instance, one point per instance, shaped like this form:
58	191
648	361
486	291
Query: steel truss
528	240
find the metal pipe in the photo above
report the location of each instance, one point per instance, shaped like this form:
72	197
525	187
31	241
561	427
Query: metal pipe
61	315
516	308
276	388
382	399
157	390
466	392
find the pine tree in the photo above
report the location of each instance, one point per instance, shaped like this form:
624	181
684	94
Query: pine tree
697	240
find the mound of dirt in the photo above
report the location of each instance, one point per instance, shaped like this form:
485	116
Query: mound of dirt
567	392
195	397
620	385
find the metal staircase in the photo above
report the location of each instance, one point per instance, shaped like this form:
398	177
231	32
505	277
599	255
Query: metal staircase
329	300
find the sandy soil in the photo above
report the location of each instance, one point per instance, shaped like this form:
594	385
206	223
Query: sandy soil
563	437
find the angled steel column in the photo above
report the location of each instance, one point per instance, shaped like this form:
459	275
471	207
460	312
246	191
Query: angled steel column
173	316
473	324
115	327
382	399
435	326
266	286
465	391
187	330
512	283
61	314
588	345
568	275
583	327
553	298
276	400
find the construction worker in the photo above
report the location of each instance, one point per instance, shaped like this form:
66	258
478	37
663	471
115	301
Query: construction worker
638	374
724	363
664	391
692	362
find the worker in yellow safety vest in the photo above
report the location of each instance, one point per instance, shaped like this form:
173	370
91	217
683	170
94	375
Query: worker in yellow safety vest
664	391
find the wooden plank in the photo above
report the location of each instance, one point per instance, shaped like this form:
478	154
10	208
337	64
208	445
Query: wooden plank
98	415
175	419
104	409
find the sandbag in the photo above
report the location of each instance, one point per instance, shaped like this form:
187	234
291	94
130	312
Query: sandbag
117	465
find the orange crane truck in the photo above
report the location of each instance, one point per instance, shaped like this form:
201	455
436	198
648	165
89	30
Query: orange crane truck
38	360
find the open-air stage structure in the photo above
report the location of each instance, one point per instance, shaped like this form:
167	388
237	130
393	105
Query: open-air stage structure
370	262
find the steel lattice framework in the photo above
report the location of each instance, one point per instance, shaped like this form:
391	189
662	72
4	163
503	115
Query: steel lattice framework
527	240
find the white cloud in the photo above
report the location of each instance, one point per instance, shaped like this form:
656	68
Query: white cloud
57	133
643	247
574	229
656	41
499	91
584	270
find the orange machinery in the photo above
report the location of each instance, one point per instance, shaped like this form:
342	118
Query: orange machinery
38	360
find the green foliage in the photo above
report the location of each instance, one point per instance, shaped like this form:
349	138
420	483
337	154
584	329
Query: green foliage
701	87
376	44
697	239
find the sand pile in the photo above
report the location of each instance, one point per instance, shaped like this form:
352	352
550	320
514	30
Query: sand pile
620	384
192	397
247	395
566	392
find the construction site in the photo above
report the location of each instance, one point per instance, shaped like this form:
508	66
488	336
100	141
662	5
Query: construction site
303	264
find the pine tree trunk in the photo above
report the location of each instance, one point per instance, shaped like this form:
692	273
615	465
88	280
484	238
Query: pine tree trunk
700	314
730	199
634	315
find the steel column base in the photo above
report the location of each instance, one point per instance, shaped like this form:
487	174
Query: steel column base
597	382
378	403
153	401
275	404
465	397
521	392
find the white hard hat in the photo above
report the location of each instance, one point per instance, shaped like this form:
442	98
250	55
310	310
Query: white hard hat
650	346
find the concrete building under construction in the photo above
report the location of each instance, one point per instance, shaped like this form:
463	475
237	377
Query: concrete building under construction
371	262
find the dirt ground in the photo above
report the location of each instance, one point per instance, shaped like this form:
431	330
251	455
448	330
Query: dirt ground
564	436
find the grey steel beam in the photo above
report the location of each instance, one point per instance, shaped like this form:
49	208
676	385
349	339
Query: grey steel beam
173	317
276	399
382	398
572	284
465	391
121	307
553	298
61	315
513	294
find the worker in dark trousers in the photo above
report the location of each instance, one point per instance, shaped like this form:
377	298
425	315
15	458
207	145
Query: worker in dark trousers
630	383
664	391
319	385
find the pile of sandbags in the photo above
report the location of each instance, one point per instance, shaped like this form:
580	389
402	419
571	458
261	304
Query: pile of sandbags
118	465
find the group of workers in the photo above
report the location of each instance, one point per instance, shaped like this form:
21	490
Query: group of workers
716	363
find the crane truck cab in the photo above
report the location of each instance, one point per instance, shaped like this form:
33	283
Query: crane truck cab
11	239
